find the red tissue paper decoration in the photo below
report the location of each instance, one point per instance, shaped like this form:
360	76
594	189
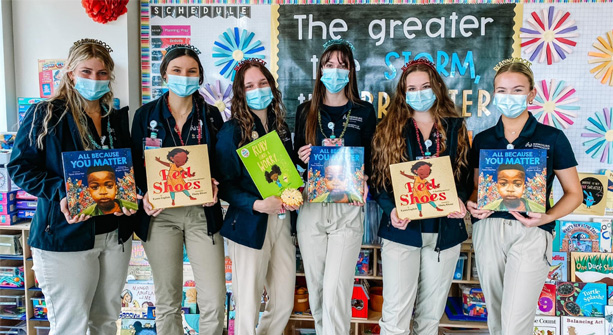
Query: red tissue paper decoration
103	11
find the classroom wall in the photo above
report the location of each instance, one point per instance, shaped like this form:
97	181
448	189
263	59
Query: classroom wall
44	29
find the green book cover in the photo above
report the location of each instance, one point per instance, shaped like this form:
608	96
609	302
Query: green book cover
269	165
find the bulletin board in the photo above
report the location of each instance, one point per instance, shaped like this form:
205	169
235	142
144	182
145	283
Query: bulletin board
570	46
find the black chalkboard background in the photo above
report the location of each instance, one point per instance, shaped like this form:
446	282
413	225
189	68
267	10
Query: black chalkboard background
295	51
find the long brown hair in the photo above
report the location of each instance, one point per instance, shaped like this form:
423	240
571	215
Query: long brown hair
74	103
319	92
240	110
389	145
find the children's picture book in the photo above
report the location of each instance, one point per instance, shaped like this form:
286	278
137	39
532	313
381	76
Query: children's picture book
583	236
594	194
424	188
513	180
189	299
178	176
582	326
99	182
23	104
137	327
605	233
546	325
269	165
610	295
336	174
558	271
139	257
608	318
591	267
581	299
136	298
609	202
547	300
49	75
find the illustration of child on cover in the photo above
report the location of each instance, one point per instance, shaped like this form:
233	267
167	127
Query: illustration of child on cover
177	157
511	183
102	186
422	170
273	175
336	182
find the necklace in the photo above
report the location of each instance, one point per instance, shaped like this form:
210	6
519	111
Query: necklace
428	142
178	131
103	138
331	126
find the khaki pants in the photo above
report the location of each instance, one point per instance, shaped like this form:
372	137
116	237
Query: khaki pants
330	236
513	262
83	288
164	248
273	267
410	274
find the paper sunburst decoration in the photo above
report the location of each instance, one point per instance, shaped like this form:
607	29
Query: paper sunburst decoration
604	70
553	104
549	36
601	136
234	46
213	96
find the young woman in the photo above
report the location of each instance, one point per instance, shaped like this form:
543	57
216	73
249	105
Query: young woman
419	256
513	249
181	118
260	241
80	262
330	234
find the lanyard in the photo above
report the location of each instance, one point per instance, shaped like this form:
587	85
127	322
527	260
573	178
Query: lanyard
428	143
102	138
178	131
331	126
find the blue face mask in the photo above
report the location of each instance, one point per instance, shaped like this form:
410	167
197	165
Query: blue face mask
92	89
259	98
510	105
421	101
182	86
335	79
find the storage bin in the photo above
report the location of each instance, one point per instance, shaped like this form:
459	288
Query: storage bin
19	329
12	306
10	244
11	276
40	307
473	301
42	330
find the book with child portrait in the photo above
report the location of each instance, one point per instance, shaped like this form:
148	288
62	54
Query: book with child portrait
336	174
513	180
269	165
99	182
424	188
178	176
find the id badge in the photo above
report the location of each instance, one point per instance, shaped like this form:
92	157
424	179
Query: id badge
152	143
332	142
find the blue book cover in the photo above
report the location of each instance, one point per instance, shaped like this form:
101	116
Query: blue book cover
513	180
336	174
558	271
99	182
583	236
581	299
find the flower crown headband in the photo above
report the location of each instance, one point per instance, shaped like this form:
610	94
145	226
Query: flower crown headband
511	61
249	61
183	46
339	41
423	61
92	41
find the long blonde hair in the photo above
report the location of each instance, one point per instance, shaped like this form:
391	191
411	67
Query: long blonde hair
389	145
73	102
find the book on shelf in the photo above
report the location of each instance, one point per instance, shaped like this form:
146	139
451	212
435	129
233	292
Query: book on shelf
582	326
136	298
99	182
512	180
592	267
424	188
581	299
269	165
336	174
134	326
583	236
558	271
546	325
178	176
608	318
547	300
594	187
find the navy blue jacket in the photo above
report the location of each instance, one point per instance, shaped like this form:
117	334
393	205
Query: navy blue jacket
40	173
242	224
157	111
451	232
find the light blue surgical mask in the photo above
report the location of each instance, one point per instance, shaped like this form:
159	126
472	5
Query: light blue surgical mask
421	101
181	85
259	98
92	89
510	105
335	79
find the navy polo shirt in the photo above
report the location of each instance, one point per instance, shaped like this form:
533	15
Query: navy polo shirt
534	135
